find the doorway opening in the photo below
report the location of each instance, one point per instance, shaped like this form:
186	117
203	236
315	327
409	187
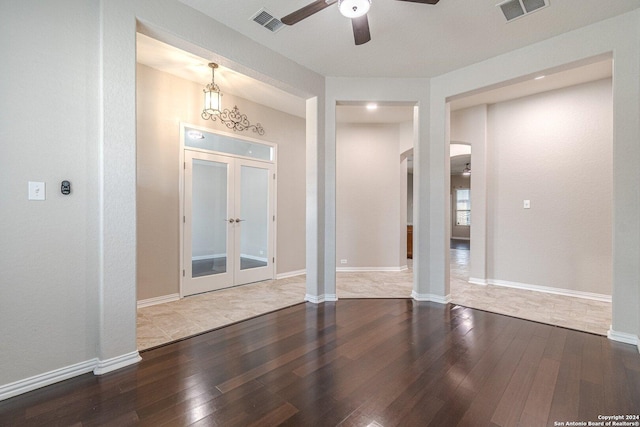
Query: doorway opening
527	218
460	202
373	143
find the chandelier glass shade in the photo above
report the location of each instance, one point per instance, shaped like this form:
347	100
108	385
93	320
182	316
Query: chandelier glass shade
212	95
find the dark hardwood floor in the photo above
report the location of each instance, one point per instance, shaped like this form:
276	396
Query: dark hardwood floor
384	362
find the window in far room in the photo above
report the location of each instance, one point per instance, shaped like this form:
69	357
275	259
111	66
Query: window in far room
463	206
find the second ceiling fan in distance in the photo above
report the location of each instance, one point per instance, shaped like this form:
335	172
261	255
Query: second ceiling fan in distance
356	10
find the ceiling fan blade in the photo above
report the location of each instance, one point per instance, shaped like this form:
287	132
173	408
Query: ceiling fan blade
307	11
361	32
423	1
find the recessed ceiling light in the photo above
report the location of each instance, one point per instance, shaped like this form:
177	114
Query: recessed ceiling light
372	106
539	78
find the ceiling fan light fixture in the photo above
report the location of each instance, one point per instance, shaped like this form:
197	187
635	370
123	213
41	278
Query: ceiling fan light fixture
354	8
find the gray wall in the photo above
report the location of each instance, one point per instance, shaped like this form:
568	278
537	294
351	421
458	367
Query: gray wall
368	199
67	99
78	298
554	149
49	103
163	101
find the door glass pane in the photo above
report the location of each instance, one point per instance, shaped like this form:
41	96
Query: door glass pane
254	207
209	218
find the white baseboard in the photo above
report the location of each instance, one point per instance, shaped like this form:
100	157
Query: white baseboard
431	298
550	290
291	274
254	258
108	365
474	281
318	299
42	380
460	238
158	300
211	256
45	379
365	269
624	337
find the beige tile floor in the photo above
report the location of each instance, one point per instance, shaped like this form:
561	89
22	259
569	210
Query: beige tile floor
168	322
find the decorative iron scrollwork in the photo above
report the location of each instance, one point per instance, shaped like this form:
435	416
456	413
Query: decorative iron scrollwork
234	119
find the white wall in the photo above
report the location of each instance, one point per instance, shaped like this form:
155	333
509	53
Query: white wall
368	191
163	101
554	149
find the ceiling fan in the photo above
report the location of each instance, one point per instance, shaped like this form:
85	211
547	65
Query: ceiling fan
354	9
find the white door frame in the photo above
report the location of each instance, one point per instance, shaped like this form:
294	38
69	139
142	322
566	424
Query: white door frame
181	165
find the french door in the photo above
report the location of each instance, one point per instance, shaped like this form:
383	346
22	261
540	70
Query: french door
228	221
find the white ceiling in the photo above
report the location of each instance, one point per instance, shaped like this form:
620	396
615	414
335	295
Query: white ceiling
458	164
408	39
460	32
536	84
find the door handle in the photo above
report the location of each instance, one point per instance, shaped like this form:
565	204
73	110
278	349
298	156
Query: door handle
231	220
239	220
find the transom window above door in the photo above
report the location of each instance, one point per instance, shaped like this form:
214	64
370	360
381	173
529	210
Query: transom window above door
221	143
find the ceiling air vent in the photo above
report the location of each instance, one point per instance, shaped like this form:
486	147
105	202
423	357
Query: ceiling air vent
267	20
513	9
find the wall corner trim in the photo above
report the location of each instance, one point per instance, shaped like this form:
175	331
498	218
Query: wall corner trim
317	299
108	365
624	338
476	281
158	300
431	298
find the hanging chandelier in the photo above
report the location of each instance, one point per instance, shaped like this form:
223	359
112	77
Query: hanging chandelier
213	111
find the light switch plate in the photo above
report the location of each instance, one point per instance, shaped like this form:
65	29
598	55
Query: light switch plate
527	204
37	190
